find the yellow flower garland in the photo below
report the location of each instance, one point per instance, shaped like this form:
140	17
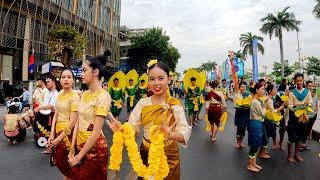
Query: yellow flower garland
158	165
116	151
43	130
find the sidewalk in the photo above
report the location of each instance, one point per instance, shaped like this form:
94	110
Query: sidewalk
3	111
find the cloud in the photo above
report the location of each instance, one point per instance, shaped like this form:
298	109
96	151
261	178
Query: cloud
205	30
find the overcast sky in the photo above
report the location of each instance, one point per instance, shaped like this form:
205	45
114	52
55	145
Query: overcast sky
206	29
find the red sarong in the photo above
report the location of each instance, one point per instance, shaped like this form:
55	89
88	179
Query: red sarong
94	164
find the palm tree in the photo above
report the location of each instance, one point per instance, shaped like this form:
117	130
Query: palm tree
208	66
240	55
247	45
316	9
275	23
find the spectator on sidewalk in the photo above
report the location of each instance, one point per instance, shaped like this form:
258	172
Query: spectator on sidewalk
25	97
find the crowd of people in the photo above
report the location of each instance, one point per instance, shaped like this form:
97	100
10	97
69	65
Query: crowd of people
72	121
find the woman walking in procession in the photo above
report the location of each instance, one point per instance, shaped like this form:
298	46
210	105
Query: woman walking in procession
215	106
242	114
257	136
91	159
63	123
274	106
164	111
299	99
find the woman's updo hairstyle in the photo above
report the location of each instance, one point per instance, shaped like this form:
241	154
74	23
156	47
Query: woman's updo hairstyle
270	88
99	62
154	63
255	87
214	84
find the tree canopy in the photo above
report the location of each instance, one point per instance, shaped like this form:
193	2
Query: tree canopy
313	66
153	44
288	70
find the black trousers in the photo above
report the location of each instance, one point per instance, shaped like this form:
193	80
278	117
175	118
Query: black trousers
241	131
308	128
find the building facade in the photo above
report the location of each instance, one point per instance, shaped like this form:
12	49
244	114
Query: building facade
25	23
125	45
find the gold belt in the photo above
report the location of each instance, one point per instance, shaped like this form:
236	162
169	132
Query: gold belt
60	125
83	136
147	142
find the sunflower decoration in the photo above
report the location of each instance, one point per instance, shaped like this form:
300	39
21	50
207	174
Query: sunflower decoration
203	79
134	76
145	78
187	78
122	80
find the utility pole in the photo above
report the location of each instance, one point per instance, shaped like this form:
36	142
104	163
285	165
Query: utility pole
299	53
265	70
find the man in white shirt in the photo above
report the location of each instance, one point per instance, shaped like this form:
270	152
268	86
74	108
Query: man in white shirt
45	111
40	92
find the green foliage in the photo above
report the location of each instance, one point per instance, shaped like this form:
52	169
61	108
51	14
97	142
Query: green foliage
154	44
313	66
208	66
240	55
273	24
316	9
261	74
246	43
288	70
296	66
65	37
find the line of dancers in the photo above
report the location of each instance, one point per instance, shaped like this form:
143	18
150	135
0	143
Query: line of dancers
78	144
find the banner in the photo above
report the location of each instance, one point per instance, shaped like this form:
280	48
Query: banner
241	68
226	70
219	74
255	61
31	63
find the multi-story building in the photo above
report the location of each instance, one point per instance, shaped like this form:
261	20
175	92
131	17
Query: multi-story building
125	45
24	25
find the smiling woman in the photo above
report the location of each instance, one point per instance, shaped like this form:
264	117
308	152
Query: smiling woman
166	114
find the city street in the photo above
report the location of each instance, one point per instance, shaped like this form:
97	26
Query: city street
202	159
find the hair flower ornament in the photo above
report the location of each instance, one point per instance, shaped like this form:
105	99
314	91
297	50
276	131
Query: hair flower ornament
151	63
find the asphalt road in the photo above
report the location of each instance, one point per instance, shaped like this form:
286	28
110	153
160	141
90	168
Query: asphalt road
200	160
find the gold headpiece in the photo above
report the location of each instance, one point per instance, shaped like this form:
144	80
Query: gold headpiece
170	73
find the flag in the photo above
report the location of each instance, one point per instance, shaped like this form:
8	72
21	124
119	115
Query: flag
31	63
226	70
234	60
255	60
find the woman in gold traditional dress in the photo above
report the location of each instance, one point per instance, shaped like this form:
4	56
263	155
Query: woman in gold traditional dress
91	158
163	110
63	123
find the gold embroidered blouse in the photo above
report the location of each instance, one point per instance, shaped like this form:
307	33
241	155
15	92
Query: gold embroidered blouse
91	105
65	104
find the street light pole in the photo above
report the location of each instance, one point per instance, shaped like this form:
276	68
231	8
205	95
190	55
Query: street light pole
265	70
299	53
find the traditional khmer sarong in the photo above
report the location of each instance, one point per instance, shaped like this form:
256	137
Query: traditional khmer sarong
94	164
257	134
215	110
214	114
171	150
60	155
